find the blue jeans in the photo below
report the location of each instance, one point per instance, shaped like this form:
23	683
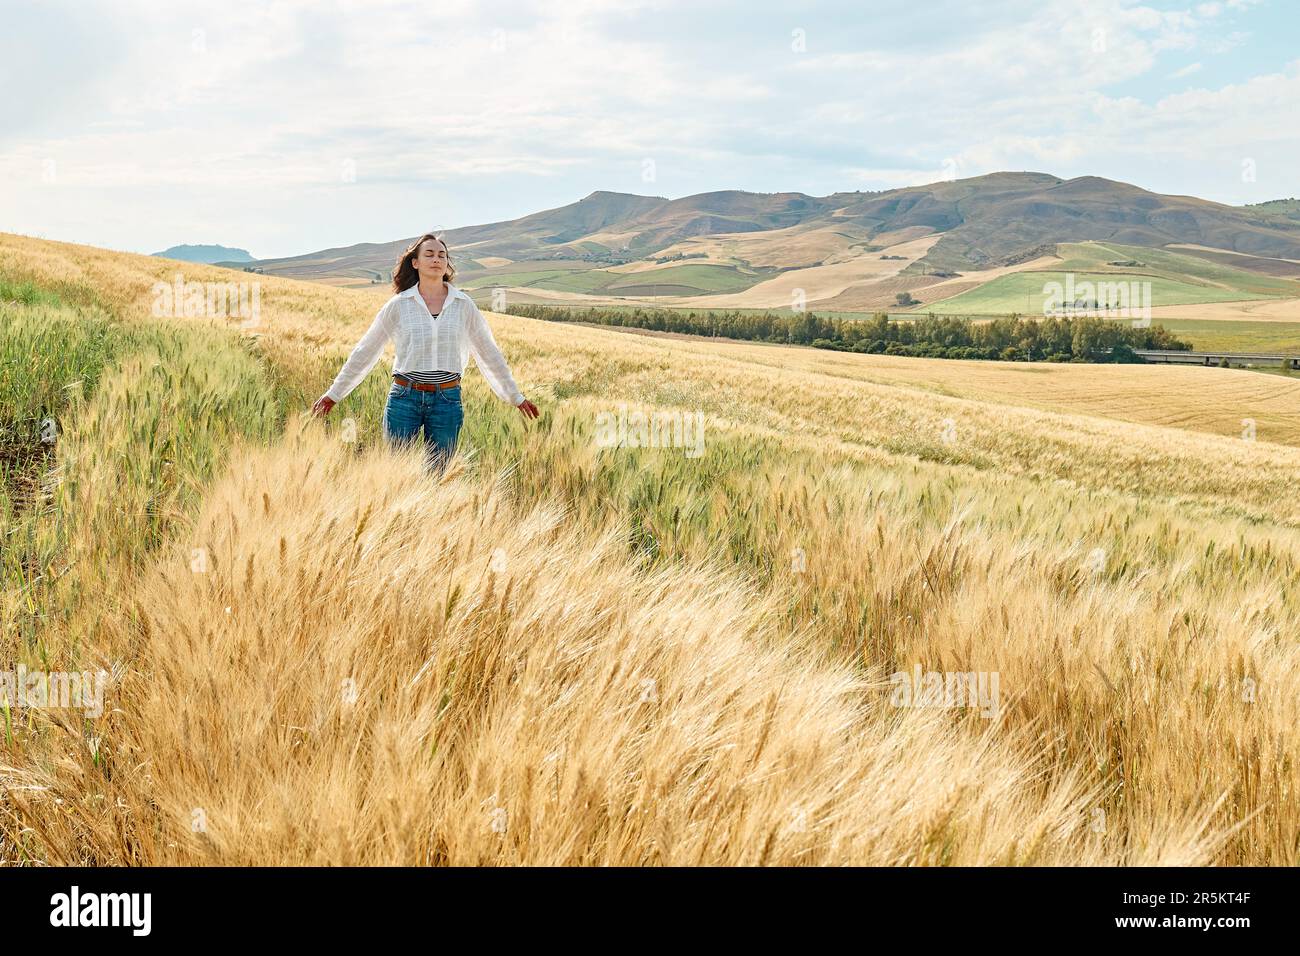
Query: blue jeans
439	414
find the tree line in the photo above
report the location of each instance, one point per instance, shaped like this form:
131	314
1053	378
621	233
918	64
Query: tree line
1015	338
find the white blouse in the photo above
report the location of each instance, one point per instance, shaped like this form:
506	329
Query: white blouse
426	344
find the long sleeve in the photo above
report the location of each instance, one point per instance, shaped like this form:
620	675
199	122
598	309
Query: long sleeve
364	356
489	359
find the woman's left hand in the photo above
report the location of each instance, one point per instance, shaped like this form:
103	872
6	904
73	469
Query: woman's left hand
527	409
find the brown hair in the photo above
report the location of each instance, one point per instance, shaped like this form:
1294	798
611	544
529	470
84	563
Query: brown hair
404	274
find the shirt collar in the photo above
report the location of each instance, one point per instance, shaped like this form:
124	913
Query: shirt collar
452	291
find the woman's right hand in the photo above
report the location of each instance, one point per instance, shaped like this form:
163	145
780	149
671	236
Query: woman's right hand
323	405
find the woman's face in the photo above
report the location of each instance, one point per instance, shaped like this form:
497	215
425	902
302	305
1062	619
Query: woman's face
431	260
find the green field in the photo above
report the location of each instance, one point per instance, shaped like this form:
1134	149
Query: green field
519	277
587	282
1176	279
49	357
691	279
704	278
1023	292
1179	267
1210	334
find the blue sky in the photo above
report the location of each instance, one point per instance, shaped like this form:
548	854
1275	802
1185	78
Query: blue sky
286	127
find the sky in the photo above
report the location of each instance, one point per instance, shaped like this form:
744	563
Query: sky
288	127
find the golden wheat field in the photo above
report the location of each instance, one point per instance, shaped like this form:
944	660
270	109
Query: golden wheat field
563	651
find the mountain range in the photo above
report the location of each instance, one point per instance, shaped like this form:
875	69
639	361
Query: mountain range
850	250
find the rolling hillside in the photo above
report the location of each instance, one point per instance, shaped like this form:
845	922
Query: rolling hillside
696	651
957	243
1174	278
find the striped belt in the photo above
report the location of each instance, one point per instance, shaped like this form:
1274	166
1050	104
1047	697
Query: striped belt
420	387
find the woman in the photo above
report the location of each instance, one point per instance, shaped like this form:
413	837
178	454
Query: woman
437	327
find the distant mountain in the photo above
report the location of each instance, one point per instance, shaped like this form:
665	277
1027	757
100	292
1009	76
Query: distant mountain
1000	219
556	228
206	254
604	226
988	220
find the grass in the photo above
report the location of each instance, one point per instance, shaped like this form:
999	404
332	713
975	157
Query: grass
1175	266
1237	335
702	278
1176	279
682	279
573	654
132	459
1022	292
27	293
525	278
590	281
119	423
49	356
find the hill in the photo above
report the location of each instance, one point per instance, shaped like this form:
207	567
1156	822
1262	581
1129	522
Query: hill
631	653
986	223
1185	276
1279	208
210	255
983	220
856	253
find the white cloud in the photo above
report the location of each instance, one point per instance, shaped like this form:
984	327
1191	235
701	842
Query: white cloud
471	104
